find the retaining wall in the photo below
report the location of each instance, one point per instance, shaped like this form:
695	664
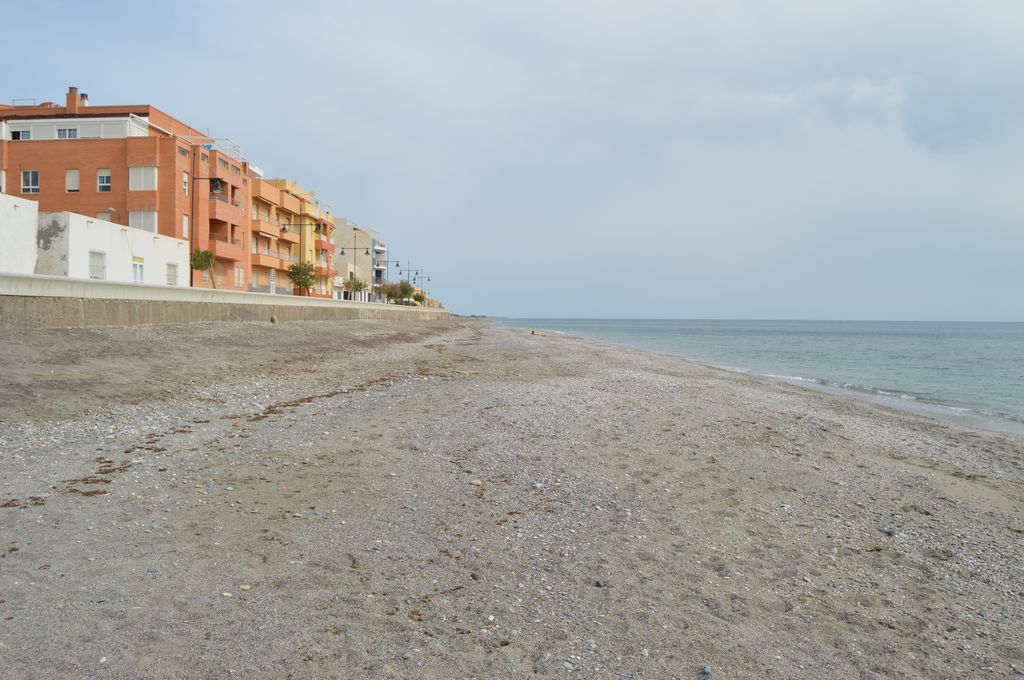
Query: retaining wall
50	302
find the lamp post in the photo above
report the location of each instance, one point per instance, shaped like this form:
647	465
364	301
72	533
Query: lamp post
408	271
422	277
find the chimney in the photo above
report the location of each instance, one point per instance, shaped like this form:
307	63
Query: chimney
85	99
72	100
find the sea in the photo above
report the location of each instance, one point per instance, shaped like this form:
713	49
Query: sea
968	373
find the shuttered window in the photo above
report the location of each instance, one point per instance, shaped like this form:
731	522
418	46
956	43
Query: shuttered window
142	219
172	274
71	181
142	179
97	265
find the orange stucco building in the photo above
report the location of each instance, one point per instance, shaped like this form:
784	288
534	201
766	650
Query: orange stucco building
312	221
275	234
133	165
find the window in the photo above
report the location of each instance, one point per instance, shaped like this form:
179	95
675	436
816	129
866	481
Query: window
106	215
184	226
142	219
172	274
184	183
138	270
21	134
141	179
183	152
30	181
103	180
222	163
235	169
255	212
206	276
239	277
206	159
71	181
3	180
67	133
97	265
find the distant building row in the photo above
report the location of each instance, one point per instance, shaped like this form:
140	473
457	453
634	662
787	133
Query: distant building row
139	168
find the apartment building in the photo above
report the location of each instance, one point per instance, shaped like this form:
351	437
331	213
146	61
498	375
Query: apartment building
315	226
136	166
359	254
275	236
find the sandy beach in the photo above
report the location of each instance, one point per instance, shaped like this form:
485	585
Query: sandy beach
458	499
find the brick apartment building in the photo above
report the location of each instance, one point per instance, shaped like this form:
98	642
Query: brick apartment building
137	166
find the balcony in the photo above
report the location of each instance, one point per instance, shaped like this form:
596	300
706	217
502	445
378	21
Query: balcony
225	249
266	228
224	210
267	191
289	236
265	260
311	209
323	244
379	248
325	271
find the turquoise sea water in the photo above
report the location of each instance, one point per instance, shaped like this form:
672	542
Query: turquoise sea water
971	373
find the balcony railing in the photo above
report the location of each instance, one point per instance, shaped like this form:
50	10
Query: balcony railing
224	238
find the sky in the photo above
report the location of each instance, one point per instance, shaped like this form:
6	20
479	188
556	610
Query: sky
764	159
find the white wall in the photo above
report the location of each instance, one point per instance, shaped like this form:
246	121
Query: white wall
18	224
90	128
120	245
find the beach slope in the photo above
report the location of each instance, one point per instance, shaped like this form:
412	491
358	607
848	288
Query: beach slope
457	499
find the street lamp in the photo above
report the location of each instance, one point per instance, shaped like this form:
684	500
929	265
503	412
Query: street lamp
408	271
421	279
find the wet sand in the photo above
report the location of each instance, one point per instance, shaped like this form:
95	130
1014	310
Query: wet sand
455	499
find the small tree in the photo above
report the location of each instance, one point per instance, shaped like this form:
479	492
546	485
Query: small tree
405	290
302	275
203	261
420	297
354	286
390	291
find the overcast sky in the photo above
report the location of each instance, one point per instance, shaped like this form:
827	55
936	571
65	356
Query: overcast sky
714	159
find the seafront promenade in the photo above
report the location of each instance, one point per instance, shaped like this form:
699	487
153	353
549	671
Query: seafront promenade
456	499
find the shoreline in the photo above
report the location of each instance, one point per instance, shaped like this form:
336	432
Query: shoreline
463	499
962	416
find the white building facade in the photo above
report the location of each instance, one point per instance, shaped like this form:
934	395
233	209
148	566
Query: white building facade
19	219
83	247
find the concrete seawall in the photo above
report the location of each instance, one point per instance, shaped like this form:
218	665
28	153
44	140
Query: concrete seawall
51	302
